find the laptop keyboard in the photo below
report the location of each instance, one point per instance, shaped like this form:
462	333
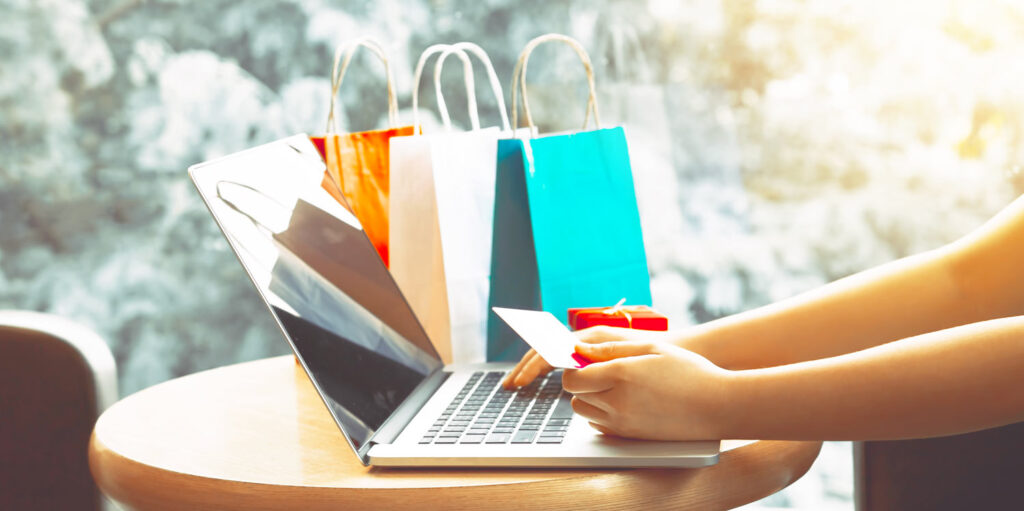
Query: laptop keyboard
484	412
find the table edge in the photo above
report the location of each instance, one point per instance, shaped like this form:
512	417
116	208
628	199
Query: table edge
142	486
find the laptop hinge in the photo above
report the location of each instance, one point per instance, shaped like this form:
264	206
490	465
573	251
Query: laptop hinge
405	412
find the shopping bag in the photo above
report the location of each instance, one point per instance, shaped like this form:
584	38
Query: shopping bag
566	224
442	202
357	163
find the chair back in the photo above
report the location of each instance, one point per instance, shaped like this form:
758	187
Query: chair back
55	379
980	470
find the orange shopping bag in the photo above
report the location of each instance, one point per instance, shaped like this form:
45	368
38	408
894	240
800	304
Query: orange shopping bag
357	163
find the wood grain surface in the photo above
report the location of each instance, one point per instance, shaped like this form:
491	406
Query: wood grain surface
256	436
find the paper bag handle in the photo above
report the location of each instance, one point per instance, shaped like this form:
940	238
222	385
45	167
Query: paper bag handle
519	75
467	70
348	49
491	76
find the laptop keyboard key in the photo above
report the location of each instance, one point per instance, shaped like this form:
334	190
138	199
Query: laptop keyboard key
524	437
499	438
484	412
564	408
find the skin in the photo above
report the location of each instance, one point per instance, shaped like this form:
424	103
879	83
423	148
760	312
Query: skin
929	345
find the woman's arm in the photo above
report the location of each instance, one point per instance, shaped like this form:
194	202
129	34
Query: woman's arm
953	381
899	299
977	278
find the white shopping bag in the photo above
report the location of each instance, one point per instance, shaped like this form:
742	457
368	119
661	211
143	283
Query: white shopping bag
441	213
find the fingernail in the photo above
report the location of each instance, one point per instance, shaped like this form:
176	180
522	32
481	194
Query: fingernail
581	360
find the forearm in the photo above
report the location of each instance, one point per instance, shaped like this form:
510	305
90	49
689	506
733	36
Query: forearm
975	279
946	382
897	300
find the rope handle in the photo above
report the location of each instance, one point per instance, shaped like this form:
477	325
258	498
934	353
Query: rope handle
467	70
348	49
491	76
519	75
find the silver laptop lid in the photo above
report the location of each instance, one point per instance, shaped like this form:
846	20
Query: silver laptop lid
321	276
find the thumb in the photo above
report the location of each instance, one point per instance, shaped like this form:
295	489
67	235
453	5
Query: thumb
613	350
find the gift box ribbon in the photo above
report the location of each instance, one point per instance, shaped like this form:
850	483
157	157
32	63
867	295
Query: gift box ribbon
620	308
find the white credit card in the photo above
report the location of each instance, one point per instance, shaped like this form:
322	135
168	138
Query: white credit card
546	335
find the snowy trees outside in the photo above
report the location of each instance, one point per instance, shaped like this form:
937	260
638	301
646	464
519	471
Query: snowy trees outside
777	145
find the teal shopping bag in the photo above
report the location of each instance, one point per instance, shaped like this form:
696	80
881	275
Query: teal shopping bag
566	224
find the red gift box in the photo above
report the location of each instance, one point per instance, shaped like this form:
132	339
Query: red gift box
637	317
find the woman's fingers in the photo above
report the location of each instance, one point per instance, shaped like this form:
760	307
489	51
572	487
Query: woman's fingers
533	369
589	411
601	333
603	429
597	344
613	350
510	378
602	400
593	378
529	368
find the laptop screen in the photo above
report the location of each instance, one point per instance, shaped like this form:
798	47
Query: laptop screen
321	276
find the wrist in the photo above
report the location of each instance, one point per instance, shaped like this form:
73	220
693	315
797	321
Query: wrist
755	404
731	409
770	403
705	341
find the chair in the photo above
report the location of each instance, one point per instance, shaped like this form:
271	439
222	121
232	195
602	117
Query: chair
980	470
55	378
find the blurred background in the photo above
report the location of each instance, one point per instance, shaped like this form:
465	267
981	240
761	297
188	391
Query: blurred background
777	145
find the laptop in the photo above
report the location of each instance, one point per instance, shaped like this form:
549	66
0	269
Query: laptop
364	350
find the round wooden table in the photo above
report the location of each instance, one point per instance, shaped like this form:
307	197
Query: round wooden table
256	436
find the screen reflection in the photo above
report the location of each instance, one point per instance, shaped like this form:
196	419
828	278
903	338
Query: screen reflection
323	279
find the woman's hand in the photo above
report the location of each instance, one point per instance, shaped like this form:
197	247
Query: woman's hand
650	390
532	365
